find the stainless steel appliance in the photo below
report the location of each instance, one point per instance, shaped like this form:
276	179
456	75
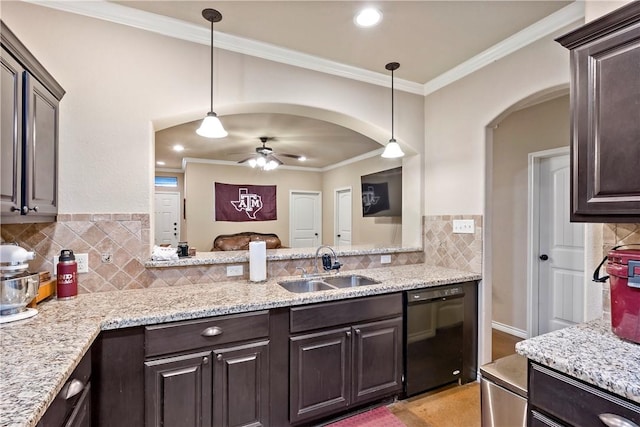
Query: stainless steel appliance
503	395
17	286
433	338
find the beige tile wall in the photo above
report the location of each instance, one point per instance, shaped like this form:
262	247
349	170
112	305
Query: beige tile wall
127	238
443	248
615	235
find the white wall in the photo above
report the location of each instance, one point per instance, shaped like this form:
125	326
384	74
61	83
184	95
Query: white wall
120	80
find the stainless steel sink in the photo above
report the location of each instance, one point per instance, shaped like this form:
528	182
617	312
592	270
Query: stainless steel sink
315	284
349	281
305	285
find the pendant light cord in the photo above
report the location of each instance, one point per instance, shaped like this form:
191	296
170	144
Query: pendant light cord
392	109
211	68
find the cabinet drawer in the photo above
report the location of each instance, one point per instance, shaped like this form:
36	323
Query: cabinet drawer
70	394
212	331
574	402
326	315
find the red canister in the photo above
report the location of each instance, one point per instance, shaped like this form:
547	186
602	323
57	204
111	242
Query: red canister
67	271
623	267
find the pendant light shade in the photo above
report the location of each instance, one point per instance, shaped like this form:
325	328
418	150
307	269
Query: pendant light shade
392	150
211	126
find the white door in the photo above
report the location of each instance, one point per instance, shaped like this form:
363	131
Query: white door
343	217
305	219
561	250
167	217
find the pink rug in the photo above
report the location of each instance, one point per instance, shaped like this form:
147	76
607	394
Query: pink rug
378	417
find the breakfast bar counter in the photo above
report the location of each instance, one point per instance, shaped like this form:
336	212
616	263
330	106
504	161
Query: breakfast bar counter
37	355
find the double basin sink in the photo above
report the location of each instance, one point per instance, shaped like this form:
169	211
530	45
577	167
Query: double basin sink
314	284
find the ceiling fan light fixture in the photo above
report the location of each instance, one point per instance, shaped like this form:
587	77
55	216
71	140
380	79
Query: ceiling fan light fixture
261	162
368	17
392	150
252	162
271	165
211	126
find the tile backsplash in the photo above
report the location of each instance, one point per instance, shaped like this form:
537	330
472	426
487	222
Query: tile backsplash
443	248
126	238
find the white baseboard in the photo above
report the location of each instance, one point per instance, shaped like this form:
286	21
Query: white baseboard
509	330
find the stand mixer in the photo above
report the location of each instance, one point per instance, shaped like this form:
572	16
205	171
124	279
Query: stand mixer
17	286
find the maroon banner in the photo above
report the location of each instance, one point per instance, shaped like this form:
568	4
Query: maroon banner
239	203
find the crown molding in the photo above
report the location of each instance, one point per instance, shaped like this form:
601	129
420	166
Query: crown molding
546	26
175	28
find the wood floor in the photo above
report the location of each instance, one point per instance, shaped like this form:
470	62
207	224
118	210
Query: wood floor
453	406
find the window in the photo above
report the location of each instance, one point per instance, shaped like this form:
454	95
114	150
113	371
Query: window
166	181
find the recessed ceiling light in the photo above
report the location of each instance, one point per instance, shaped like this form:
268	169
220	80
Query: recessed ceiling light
160	163
178	147
302	158
368	17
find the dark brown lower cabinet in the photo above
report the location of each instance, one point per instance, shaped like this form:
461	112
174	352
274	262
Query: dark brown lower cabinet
241	385
178	391
556	399
332	370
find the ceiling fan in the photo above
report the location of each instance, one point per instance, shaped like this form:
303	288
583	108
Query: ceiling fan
265	158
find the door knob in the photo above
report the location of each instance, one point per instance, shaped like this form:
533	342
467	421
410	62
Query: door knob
544	257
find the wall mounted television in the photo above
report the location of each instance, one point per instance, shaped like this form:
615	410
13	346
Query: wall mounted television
382	193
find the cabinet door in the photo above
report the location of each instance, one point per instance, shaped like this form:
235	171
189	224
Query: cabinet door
178	391
41	135
319	373
11	128
377	359
605	96
241	385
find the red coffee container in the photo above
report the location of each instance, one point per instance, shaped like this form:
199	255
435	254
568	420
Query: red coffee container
623	267
67	271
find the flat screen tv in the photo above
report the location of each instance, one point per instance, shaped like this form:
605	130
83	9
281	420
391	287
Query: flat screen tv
382	193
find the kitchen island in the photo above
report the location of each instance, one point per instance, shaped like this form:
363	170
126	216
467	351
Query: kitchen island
592	353
37	355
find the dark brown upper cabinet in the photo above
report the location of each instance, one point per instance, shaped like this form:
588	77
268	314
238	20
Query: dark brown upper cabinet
29	130
605	115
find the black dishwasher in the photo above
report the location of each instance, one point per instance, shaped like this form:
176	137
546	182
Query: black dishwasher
433	337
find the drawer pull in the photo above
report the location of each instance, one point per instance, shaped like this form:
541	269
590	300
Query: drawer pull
219	357
211	332
71	388
613	420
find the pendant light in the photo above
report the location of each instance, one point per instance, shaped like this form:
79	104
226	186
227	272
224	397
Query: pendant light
211	126
392	150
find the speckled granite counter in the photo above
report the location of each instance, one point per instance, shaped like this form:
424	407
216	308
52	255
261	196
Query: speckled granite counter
37	355
226	257
592	353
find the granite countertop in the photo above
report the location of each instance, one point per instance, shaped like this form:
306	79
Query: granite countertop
226	257
37	355
592	353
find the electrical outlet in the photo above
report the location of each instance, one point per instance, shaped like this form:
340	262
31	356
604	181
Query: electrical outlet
234	270
464	226
385	259
81	259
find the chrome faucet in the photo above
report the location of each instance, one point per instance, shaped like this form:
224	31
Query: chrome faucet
327	263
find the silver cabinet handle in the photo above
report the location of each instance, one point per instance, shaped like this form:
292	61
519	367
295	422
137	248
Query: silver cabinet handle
357	331
15	209
211	332
219	357
71	389
613	420
348	333
205	360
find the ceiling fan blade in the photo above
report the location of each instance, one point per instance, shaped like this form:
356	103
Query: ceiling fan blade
291	156
247	159
274	158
